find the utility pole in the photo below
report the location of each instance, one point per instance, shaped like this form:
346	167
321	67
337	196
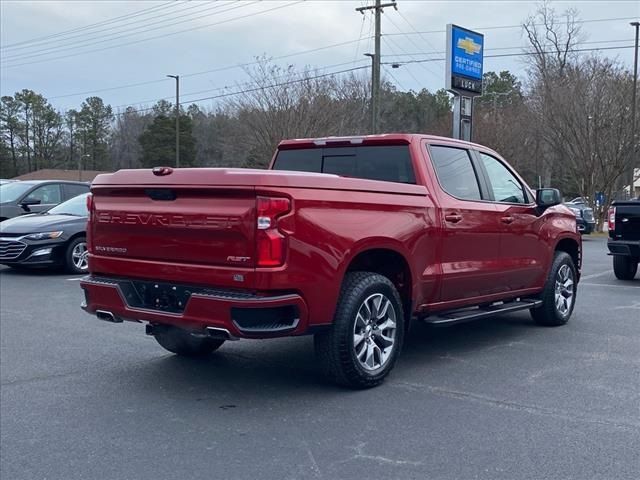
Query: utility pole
373	111
177	77
375	73
634	135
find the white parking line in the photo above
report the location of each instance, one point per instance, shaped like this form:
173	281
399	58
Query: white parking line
594	275
606	285
74	279
633	306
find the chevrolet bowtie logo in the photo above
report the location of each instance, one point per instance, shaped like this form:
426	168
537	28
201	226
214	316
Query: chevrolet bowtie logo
469	46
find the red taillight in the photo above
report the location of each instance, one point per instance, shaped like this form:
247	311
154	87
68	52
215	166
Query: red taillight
89	221
612	219
271	243
89	203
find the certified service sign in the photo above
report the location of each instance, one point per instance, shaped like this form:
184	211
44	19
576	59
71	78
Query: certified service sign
465	51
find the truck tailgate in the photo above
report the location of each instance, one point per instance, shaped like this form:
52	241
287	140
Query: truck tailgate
627	220
198	225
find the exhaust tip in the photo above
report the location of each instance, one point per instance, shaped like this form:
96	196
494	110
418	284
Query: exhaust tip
107	316
220	333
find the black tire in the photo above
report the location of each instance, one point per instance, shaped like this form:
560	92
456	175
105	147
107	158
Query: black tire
549	314
71	262
182	342
625	268
335	348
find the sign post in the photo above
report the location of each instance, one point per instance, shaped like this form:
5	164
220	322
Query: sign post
465	53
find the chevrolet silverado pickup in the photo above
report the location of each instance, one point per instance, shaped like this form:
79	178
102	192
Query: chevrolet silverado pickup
624	238
345	238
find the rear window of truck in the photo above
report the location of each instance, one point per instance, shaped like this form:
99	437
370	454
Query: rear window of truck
386	163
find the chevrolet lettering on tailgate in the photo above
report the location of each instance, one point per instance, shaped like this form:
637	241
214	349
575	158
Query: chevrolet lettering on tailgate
167	220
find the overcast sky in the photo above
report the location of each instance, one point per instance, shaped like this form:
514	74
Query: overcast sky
142	41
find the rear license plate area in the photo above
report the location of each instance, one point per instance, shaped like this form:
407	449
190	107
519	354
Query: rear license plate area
164	297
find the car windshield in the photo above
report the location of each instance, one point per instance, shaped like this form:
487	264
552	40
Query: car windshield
10	192
76	206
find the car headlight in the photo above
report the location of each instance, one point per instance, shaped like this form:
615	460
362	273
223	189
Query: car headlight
43	235
576	211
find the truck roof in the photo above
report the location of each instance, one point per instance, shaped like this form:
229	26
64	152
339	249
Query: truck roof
379	139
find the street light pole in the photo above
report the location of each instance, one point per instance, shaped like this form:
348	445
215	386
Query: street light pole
634	136
177	77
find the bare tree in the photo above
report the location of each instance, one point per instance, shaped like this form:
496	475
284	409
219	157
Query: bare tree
124	148
287	103
579	108
552	39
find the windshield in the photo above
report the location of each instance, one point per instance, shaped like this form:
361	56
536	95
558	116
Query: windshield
10	192
76	206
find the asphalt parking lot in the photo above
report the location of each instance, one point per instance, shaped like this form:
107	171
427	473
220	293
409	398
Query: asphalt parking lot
495	399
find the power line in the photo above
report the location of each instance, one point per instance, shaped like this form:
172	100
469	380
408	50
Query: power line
442	59
105	38
230	94
499	27
150	82
415	79
504	48
88	27
112	33
214	70
355	57
226	87
158	36
428	70
415	30
51	43
388	72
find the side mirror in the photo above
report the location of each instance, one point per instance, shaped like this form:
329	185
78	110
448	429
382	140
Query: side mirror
31	201
548	197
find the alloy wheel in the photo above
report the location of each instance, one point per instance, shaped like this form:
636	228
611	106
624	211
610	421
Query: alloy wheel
79	256
564	294
374	332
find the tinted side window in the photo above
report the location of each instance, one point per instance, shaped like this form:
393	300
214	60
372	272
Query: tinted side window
309	160
47	194
506	187
72	190
455	172
386	163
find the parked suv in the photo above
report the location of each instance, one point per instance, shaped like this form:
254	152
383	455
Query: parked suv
36	196
584	216
345	238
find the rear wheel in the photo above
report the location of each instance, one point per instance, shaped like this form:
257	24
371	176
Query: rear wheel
76	256
625	268
184	343
559	294
367	333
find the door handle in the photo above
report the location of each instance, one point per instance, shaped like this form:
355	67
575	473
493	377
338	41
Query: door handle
453	218
507	220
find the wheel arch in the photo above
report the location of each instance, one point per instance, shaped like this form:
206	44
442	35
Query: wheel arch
391	262
572	247
76	235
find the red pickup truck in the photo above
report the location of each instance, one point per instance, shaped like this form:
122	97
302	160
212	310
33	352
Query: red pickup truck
345	238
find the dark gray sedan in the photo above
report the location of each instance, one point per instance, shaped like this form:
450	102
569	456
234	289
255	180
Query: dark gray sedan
53	238
35	196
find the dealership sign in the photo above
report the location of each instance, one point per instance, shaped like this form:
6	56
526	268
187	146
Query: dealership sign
465	52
